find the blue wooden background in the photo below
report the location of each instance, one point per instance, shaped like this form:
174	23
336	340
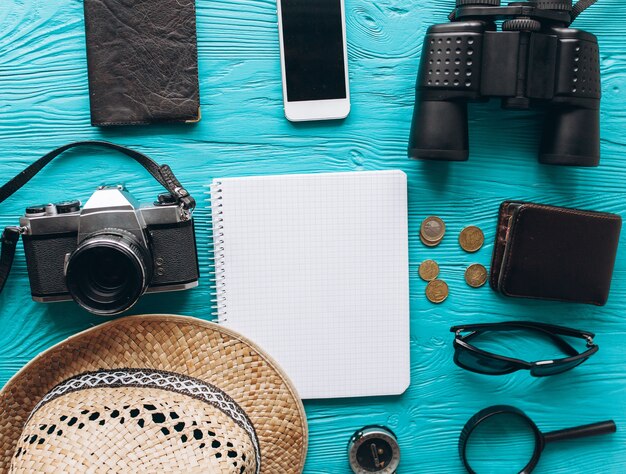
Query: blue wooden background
44	103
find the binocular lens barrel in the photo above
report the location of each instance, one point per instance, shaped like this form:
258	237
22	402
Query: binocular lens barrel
439	131
571	136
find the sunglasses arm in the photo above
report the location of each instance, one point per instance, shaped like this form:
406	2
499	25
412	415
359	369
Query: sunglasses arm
474	329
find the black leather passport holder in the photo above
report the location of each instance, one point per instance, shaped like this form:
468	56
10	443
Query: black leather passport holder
142	61
554	253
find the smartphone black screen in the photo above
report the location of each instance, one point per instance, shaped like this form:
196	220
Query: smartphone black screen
313	42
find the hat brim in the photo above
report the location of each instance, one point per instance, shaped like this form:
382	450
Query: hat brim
180	344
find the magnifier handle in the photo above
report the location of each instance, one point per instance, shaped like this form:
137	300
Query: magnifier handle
594	429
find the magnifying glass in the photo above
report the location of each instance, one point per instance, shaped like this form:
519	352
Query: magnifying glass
502	439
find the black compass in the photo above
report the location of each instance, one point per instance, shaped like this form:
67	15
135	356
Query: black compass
374	449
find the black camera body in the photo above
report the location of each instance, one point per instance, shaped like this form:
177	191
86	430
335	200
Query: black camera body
534	60
108	253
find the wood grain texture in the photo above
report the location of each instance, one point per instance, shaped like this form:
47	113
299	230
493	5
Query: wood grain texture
44	103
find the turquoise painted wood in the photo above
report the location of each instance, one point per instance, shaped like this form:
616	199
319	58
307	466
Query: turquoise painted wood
44	103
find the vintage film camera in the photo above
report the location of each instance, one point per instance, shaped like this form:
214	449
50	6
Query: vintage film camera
535	59
110	252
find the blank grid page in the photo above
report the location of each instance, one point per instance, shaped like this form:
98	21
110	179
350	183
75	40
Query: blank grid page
315	271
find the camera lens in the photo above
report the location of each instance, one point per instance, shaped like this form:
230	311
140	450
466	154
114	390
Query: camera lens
108	272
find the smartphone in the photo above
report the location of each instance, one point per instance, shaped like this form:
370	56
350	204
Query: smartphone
314	59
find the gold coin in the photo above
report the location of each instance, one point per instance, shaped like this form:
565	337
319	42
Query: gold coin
428	270
429	244
437	291
471	239
432	229
476	275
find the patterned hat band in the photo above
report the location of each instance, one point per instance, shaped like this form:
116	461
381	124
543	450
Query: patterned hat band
185	423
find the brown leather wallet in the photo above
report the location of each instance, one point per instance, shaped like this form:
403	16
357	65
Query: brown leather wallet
554	253
142	61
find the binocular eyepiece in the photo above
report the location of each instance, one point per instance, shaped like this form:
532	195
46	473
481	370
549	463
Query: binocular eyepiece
534	60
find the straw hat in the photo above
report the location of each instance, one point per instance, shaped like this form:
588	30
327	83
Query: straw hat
152	393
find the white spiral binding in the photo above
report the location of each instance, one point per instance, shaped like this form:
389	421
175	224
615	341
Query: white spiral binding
218	302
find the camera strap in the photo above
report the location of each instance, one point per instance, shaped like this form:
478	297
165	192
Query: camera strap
8	242
11	235
162	173
580	7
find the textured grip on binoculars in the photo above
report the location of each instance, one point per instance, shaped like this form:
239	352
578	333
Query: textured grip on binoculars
594	429
571	136
439	131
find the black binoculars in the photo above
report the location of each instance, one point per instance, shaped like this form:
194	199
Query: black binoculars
534	60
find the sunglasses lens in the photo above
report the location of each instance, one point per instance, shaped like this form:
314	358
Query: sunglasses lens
558	368
482	364
500	444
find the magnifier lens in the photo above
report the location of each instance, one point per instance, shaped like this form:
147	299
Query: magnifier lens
501	444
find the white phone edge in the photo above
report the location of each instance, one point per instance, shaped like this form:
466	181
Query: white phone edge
303	111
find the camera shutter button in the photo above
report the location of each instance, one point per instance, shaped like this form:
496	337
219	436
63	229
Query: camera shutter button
51	210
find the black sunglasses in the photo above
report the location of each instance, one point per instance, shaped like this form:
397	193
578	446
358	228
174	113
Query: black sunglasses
476	360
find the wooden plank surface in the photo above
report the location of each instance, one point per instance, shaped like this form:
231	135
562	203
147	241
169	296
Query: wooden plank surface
44	103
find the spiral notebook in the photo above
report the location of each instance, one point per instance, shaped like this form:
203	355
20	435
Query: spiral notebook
314	269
